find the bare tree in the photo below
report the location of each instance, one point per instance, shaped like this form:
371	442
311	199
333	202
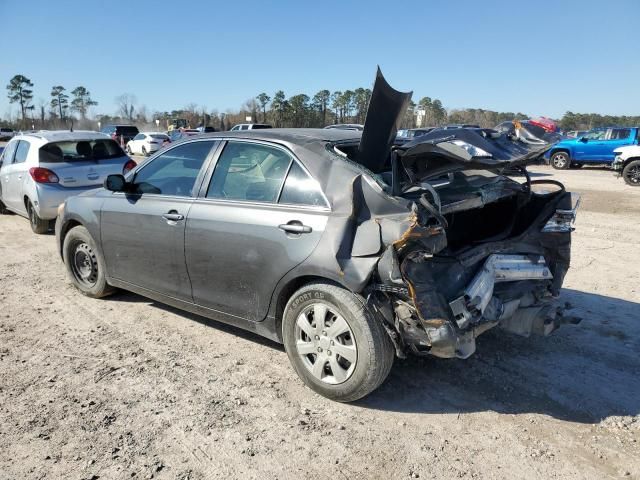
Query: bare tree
126	106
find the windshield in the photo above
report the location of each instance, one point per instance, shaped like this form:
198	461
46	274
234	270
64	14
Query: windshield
73	151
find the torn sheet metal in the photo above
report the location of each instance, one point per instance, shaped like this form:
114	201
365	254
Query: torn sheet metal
497	268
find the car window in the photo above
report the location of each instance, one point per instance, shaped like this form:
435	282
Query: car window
7	154
128	130
300	189
595	135
21	152
140	136
81	150
620	133
249	171
173	172
244	127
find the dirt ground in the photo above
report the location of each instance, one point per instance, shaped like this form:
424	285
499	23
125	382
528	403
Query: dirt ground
127	388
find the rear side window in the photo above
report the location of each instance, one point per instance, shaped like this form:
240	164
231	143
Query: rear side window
21	152
300	189
259	126
174	172
82	150
249	171
620	133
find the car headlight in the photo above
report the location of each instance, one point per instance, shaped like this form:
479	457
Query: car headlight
471	149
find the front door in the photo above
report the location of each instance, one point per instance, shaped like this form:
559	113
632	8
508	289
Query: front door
248	229
142	232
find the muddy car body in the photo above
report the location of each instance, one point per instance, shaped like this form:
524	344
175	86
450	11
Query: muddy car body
396	250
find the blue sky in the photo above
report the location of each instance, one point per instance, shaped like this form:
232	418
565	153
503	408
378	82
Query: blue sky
542	57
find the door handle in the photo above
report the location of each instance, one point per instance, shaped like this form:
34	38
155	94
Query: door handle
295	226
173	216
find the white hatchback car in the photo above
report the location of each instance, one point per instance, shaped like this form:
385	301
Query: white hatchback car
146	143
38	171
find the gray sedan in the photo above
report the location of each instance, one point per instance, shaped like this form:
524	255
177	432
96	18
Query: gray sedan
348	253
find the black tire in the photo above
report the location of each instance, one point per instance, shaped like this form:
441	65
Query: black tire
129	152
85	264
38	225
144	152
560	160
631	173
374	349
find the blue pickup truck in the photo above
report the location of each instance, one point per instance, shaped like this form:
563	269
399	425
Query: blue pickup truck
595	147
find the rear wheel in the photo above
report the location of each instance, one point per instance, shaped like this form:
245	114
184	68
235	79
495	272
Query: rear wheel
336	346
85	264
631	173
38	225
560	160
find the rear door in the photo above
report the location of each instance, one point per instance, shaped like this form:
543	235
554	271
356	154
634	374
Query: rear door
8	176
246	230
18	176
142	232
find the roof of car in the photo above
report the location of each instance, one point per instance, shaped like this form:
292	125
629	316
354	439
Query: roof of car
290	135
65	135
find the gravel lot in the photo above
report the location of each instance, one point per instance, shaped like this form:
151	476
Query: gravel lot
128	388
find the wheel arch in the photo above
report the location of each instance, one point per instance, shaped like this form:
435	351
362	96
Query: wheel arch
560	149
284	292
65	228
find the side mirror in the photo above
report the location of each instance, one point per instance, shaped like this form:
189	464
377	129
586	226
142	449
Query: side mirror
584	139
115	183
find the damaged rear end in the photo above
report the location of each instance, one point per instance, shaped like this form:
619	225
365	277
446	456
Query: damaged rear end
469	241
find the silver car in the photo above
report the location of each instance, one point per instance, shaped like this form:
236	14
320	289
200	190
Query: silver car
39	171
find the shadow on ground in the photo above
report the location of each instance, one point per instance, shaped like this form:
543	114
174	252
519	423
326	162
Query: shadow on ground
582	373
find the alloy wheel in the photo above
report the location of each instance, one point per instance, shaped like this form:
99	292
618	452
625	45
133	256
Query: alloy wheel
560	160
633	174
326	344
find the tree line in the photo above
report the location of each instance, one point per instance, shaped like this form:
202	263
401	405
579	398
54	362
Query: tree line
299	110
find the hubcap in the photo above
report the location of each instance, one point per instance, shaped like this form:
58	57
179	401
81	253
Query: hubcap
85	265
326	344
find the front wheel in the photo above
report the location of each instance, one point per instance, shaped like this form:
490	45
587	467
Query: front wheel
144	151
631	173
336	346
560	160
85	264
38	225
129	152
